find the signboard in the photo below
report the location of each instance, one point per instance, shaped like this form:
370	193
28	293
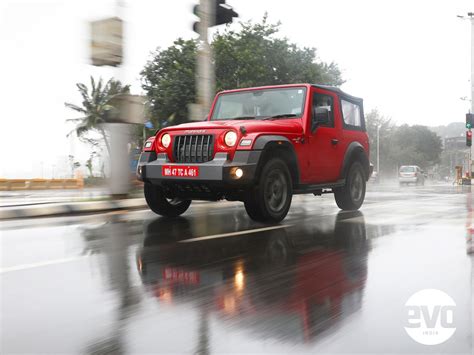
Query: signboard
106	42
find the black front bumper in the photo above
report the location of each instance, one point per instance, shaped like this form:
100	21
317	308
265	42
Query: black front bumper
217	173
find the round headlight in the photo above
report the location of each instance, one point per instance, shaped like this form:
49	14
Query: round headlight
166	140
230	138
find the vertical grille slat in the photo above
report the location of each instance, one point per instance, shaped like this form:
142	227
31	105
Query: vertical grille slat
177	146
193	148
199	158
209	148
186	149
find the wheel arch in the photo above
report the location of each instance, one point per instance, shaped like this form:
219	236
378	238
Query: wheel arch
281	147
355	152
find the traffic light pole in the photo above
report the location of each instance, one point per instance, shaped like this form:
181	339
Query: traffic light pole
205	71
471	15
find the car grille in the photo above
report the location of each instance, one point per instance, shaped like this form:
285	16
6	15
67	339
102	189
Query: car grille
193	148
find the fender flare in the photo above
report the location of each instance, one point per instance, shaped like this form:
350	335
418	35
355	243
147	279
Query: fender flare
262	141
355	150
266	142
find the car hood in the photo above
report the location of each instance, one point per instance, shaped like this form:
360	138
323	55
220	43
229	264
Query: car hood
293	125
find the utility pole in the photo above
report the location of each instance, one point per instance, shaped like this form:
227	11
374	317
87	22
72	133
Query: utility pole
471	18
205	81
119	131
211	13
205	69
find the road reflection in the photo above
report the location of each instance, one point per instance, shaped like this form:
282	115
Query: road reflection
112	241
294	284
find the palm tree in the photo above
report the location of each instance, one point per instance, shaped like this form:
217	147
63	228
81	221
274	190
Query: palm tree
95	107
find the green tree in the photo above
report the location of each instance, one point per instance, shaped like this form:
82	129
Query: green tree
401	145
94	108
415	145
373	120
169	81
252	56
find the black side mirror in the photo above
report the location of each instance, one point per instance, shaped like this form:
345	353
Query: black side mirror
320	116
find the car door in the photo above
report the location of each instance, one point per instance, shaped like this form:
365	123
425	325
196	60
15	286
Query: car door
325	150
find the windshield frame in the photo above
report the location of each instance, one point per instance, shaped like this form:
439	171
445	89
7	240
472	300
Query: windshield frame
299	116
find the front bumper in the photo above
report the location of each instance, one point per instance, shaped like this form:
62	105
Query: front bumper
217	171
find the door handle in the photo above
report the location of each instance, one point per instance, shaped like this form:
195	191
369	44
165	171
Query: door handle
334	141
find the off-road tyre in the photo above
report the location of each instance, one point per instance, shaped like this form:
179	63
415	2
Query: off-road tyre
270	199
351	196
162	206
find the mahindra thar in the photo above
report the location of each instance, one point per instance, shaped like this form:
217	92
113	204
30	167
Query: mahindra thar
261	146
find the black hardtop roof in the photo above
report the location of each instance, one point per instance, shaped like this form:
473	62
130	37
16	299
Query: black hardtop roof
339	92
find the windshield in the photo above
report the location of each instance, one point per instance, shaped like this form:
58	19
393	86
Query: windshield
259	104
407	169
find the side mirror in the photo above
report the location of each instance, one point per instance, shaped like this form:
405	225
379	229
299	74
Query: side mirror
320	116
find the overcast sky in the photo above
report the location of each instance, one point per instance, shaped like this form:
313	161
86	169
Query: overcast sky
409	59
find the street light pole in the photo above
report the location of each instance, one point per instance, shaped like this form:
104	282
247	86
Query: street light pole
378	151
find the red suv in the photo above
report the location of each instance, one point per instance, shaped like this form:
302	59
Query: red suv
260	146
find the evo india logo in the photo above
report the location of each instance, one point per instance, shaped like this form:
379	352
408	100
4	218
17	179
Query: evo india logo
430	317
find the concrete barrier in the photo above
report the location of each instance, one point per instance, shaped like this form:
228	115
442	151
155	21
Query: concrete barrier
18	184
40	184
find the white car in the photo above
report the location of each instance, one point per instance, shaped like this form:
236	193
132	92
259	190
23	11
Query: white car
411	174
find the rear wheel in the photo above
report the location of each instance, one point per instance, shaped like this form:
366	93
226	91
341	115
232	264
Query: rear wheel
270	200
161	205
351	196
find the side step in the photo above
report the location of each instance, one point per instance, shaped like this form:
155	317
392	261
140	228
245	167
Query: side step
317	189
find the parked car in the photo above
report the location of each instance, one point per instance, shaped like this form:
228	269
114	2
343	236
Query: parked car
260	146
411	174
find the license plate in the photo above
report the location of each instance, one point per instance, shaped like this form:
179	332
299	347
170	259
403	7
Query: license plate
180	171
181	276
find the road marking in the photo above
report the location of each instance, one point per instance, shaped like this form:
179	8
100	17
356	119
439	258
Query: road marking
40	264
233	234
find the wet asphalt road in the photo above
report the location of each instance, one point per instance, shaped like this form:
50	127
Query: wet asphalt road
213	281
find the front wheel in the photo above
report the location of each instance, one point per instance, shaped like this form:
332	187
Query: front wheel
351	196
270	200
158	203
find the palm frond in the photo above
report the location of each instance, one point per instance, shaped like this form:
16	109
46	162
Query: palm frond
75	107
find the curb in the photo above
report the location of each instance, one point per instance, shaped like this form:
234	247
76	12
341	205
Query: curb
49	210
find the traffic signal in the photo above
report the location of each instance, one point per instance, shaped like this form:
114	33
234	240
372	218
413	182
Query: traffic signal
469	138
223	14
197	23
469	120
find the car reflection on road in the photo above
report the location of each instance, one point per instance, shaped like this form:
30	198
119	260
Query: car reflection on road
294	283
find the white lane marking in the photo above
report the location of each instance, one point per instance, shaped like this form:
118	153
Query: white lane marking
233	234
40	264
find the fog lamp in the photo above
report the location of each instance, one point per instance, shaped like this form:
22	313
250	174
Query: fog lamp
238	173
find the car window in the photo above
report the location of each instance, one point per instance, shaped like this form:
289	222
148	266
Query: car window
325	101
351	114
407	169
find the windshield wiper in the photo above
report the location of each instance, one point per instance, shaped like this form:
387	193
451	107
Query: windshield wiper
283	115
